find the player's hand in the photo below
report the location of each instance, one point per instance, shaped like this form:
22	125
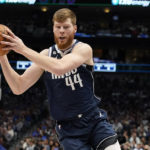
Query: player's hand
12	42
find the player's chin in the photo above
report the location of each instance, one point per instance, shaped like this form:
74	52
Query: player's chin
62	43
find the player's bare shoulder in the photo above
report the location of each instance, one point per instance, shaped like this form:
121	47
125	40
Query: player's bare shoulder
85	50
45	52
83	47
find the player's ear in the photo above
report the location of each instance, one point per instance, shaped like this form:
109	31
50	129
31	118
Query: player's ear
53	28
75	28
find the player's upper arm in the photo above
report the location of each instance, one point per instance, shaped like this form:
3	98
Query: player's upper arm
81	54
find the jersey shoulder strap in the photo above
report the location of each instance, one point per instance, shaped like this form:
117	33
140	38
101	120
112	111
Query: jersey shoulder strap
54	52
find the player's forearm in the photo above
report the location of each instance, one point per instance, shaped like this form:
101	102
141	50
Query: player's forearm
47	63
11	76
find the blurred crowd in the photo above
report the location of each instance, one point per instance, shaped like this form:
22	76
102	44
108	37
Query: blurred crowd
126	99
42	137
18	114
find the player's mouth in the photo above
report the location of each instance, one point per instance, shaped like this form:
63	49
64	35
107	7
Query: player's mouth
62	38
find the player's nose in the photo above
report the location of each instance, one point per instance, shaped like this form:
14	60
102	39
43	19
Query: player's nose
61	29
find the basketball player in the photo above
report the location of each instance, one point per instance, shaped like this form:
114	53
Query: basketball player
67	65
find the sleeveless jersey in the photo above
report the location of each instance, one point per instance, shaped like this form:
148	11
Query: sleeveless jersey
72	93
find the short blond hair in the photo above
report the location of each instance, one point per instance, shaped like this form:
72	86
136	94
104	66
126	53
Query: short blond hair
62	14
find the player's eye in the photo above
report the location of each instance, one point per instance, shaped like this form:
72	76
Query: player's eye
58	27
66	27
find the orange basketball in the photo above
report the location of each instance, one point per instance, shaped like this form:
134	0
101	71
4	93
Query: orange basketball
2	30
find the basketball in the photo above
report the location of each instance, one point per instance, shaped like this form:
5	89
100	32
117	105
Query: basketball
2	30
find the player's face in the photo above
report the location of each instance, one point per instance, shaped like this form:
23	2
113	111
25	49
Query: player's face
64	33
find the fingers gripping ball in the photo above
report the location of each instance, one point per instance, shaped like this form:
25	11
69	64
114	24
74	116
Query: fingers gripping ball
3	30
